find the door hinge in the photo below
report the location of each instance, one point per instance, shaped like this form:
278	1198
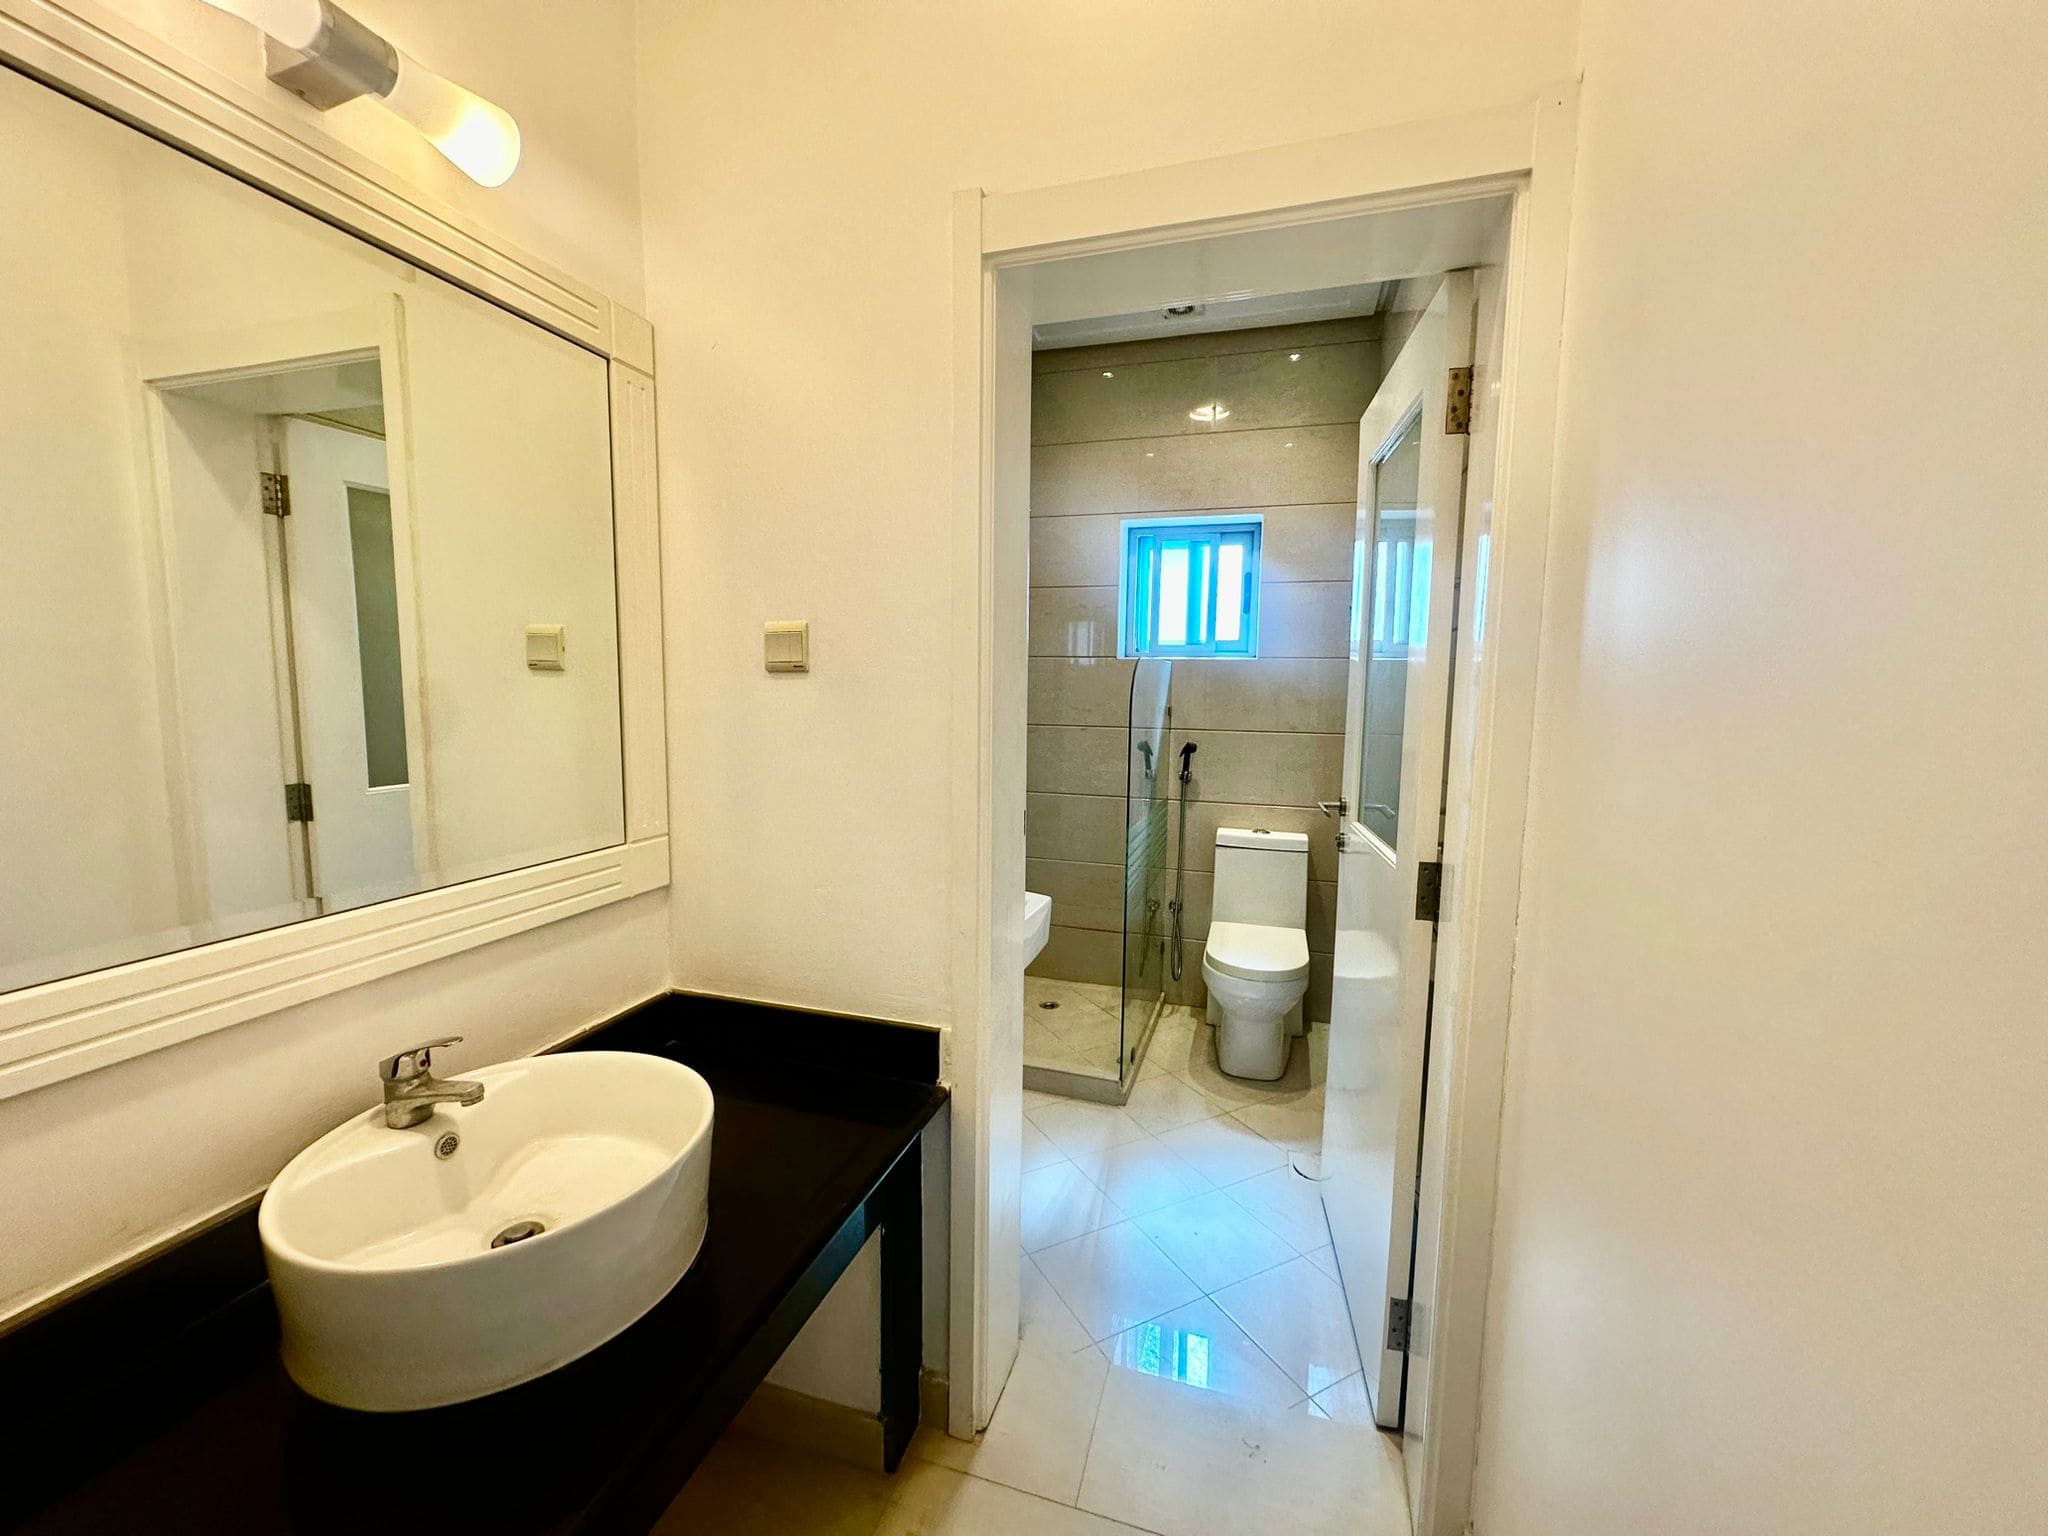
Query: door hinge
1458	403
277	494
1397	1324
1429	891
298	802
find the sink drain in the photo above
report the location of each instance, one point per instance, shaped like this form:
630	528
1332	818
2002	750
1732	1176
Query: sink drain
518	1232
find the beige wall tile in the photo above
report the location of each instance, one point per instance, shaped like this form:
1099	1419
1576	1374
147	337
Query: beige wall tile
1269	694
1322	916
1132	400
1075	760
1079	691
1262	338
1321	973
1182	474
1078	828
1265	767
1074	551
1081	954
1083	895
1304	618
1297	386
1073	621
1308	543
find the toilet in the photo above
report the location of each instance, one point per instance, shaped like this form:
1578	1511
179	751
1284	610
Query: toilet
1255	963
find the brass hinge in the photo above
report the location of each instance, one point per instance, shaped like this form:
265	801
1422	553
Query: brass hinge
298	802
1429	891
1458	403
1397	1323
277	495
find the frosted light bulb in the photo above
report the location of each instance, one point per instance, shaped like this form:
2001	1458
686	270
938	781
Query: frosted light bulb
478	136
295	23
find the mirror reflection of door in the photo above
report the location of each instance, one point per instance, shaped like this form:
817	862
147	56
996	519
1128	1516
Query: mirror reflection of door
344	607
1411	479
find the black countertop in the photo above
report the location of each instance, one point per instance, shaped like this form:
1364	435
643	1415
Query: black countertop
208	1434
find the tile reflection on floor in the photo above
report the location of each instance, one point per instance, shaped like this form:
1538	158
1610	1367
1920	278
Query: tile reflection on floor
1186	1366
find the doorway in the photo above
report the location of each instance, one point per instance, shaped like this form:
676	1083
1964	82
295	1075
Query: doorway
1021	259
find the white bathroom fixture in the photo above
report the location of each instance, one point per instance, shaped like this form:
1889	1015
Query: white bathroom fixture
1255	962
491	1242
320	52
1037	924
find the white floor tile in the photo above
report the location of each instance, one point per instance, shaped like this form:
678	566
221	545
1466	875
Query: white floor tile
1237	1092
752	1487
1038	1152
1201	1348
1188	1463
1142	1176
1038	1439
1161	1102
1116	1278
1291	1205
932	1500
1224	1151
1325	1259
1215	1241
1034	1101
1296	1125
1296	1314
1348	1401
1060	1201
1076	1126
1047	1322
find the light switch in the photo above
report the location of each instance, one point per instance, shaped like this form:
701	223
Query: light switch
547	647
786	645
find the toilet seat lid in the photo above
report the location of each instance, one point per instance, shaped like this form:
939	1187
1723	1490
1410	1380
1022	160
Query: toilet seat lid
1254	952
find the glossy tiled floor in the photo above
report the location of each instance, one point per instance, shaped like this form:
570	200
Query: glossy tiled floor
1187	1366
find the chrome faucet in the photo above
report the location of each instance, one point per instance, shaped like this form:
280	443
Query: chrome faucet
411	1090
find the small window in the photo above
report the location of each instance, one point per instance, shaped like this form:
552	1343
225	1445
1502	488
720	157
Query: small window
1190	587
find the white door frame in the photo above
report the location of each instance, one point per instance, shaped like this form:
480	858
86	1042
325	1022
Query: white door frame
1525	152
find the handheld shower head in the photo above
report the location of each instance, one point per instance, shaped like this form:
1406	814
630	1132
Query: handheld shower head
1187	753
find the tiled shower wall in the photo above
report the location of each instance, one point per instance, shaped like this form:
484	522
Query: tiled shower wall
1112	438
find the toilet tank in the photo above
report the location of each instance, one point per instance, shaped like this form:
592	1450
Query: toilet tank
1261	877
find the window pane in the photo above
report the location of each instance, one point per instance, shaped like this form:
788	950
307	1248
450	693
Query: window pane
1205	583
1230	593
1173	595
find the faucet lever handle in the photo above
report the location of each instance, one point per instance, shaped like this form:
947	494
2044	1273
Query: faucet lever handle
413	1062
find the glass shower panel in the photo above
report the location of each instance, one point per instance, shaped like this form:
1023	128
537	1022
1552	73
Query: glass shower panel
1148	779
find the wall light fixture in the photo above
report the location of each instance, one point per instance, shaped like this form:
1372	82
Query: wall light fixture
320	52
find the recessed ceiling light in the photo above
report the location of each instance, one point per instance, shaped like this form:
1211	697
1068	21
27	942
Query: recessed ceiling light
1214	411
1294	357
1107	374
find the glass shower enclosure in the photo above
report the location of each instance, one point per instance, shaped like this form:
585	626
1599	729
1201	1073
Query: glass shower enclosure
1149	779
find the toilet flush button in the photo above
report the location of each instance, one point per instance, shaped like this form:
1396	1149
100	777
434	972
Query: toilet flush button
786	645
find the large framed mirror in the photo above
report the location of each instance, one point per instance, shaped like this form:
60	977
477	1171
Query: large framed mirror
312	601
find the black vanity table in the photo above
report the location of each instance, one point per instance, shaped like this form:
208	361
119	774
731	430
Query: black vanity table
157	1401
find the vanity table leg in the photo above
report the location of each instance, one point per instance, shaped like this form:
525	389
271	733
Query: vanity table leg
899	1210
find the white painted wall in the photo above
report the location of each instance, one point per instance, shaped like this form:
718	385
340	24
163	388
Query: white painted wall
103	1164
1773	1238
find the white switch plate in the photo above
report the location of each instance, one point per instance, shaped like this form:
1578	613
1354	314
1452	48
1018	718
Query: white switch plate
786	645
547	648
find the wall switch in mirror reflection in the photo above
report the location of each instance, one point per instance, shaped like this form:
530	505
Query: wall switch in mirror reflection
786	645
547	647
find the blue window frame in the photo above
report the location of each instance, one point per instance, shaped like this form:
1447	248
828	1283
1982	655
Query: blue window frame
1190	587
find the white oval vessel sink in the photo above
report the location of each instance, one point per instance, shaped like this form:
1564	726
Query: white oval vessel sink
590	1170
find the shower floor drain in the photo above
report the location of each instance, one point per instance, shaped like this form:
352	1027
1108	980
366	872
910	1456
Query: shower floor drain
518	1232
1048	1005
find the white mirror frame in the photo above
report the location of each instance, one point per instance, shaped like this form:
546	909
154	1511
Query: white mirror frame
63	1028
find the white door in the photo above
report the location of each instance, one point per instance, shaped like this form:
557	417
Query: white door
1411	474
350	659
